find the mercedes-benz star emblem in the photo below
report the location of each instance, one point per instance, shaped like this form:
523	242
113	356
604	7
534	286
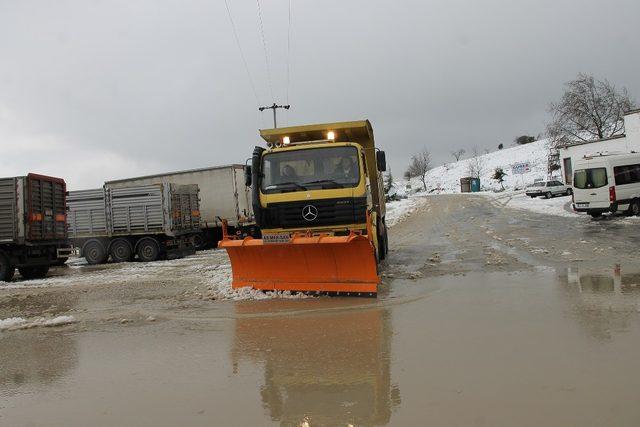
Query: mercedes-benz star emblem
310	213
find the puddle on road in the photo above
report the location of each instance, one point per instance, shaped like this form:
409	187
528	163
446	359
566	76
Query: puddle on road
538	348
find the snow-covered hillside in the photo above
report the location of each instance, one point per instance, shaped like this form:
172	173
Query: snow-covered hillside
446	178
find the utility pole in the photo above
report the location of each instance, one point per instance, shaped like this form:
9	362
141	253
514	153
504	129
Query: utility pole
274	107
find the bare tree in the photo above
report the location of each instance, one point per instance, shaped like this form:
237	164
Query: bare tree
419	166
589	109
458	154
475	168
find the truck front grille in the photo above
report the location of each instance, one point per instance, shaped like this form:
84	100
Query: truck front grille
329	212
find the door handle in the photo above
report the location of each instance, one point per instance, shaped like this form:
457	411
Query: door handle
593	194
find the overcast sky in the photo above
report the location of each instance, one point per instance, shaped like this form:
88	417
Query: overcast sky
97	90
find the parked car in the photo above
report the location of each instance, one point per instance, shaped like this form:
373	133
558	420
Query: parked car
607	183
548	189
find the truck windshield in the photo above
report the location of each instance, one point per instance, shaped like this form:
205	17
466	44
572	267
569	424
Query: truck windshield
310	169
590	178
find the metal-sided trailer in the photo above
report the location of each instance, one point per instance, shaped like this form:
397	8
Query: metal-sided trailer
33	229
150	221
223	195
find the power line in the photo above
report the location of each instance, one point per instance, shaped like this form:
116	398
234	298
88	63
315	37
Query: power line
244	61
264	45
288	53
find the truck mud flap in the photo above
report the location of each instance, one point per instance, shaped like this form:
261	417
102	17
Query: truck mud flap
314	264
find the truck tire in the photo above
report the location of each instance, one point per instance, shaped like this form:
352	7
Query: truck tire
382	242
121	251
94	252
6	269
148	249
199	242
634	208
35	272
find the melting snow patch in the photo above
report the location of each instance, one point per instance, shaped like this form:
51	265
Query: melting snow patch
14	323
397	211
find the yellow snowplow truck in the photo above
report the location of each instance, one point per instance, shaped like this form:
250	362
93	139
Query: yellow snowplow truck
317	196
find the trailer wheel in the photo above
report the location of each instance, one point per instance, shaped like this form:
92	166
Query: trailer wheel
148	249
94	252
6	269
121	250
35	272
199	241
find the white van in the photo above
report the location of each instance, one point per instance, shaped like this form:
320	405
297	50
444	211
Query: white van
607	183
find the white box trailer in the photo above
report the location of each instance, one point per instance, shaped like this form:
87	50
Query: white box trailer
150	221
223	195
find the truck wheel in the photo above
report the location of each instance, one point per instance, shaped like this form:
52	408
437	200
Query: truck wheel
148	250
121	251
94	252
6	269
634	208
199	242
35	272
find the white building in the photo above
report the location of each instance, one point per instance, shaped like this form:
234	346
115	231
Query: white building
625	143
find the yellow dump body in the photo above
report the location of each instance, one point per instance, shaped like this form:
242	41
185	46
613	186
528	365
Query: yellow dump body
316	237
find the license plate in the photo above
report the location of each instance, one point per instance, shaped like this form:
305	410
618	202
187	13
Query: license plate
582	205
274	238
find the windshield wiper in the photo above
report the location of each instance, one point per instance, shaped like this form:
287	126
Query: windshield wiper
325	181
290	183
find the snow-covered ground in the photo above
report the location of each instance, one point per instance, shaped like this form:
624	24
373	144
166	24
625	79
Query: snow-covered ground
446	178
559	206
14	323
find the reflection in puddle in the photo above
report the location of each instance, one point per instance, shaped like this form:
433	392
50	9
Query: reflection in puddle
32	359
323	368
608	300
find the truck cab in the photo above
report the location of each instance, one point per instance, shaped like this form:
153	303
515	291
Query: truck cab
323	179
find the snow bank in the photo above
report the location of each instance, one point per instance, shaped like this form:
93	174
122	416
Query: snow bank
558	206
14	323
400	209
446	178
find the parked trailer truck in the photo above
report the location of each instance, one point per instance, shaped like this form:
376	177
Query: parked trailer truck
223	195
33	229
150	221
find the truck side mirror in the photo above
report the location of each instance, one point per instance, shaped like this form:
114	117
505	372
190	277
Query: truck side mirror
381	160
247	176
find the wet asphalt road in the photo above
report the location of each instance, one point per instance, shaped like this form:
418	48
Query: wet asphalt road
486	316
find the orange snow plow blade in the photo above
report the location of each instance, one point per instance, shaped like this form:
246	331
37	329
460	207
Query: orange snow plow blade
331	264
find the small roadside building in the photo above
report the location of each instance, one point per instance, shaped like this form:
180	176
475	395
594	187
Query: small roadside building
627	142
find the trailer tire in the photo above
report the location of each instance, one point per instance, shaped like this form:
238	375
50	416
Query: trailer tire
6	269
199	241
94	252
148	249
34	272
121	250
